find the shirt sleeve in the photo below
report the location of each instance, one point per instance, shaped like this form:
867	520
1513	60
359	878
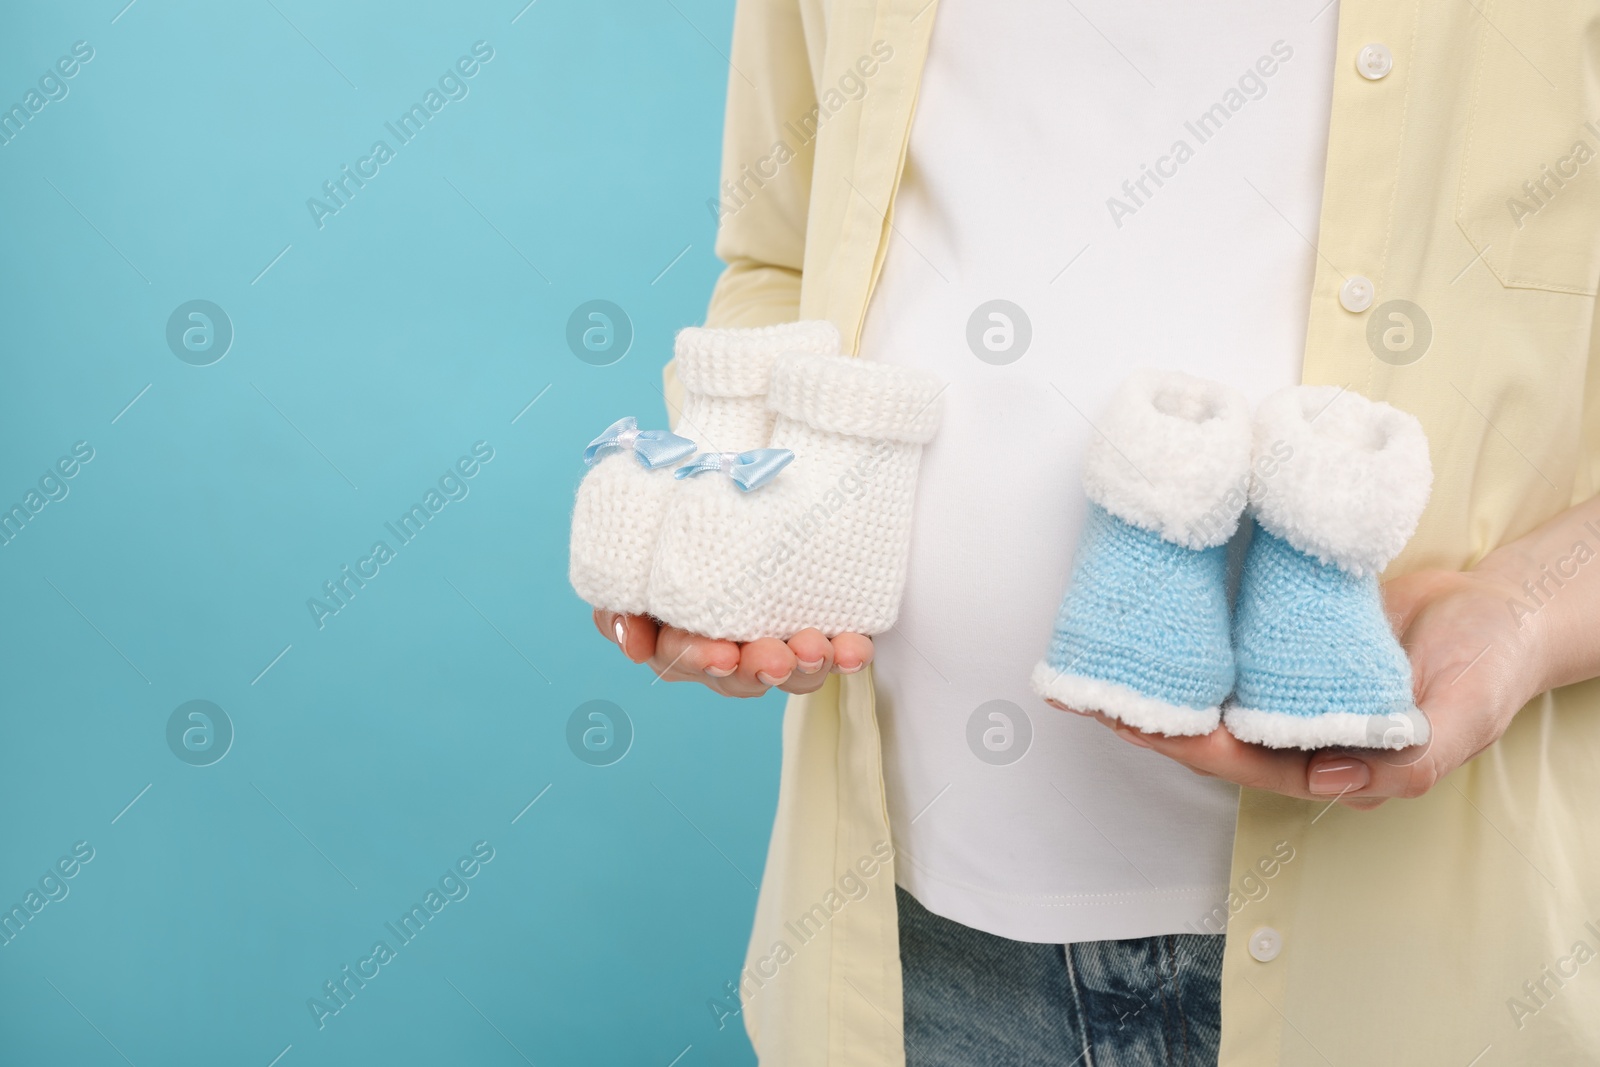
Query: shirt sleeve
765	191
1587	480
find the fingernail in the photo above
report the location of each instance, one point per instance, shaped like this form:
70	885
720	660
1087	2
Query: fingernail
620	628
842	669
1130	736
810	666
1339	776
720	672
766	679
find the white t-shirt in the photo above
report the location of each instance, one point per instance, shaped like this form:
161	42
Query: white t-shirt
1143	181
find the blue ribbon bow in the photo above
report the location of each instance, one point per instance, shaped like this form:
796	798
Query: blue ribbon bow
652	448
749	470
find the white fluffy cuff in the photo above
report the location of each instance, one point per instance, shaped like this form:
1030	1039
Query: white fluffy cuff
844	394
1334	729
1338	476
1123	704
738	362
1172	455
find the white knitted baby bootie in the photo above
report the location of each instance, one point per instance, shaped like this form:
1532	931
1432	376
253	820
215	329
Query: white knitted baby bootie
623	499
824	544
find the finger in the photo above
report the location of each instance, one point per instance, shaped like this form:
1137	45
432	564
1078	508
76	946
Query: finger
766	663
813	653
1076	711
1118	727
635	635
1131	735
1128	733
1379	774
1338	774
1457	732
802	684
813	656
681	656
1222	755
1365	778
851	652
639	636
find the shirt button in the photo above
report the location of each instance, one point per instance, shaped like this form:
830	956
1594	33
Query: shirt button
1265	944
1374	61
1356	293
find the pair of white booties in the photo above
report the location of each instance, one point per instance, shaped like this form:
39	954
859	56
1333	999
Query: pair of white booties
783	501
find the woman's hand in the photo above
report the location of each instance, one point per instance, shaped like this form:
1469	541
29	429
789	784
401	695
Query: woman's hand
1474	664
799	665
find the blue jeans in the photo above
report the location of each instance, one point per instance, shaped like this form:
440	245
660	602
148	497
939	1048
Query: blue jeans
973	998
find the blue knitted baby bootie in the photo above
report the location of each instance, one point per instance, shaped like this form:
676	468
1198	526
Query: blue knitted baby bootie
1318	664
1340	482
1142	634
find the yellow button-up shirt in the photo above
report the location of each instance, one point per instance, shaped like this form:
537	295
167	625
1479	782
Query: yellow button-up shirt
1459	928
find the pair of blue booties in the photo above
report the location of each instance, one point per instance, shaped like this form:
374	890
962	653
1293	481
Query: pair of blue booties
1333	485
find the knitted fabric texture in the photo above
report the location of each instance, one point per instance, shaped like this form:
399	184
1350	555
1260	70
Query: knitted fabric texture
725	375
1318	664
825	544
1142	635
622	505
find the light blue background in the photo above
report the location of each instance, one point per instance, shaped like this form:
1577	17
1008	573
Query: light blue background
369	357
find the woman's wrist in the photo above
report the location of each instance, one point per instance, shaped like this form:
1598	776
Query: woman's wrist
1507	573
1551	586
